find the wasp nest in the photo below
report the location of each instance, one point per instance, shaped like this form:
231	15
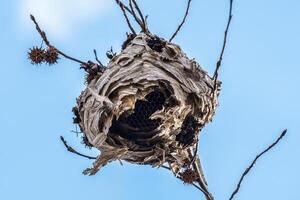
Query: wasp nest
148	106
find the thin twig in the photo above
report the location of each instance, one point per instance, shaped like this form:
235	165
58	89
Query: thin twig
141	15
77	132
219	63
195	154
97	59
146	22
45	39
196	186
201	181
165	167
126	17
138	20
183	21
70	149
122	4
254	161
200	187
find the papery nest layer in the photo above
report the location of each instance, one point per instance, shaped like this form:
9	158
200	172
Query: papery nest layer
148	106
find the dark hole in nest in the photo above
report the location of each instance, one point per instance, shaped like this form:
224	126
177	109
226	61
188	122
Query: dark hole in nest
156	44
136	124
189	130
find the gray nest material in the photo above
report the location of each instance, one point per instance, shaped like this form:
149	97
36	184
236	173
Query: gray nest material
148	106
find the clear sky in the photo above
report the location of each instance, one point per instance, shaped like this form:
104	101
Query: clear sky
260	98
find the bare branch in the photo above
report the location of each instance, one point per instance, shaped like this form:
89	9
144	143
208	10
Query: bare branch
219	63
70	149
179	177
126	8
45	39
77	132
195	154
141	15
146	22
254	161
97	59
123	7
136	17
201	180
165	167
200	185
183	21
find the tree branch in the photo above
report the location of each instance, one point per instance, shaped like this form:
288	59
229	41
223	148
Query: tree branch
124	8
141	16
130	11
97	59
122	4
195	154
183	21
70	149
45	39
219	63
136	17
201	180
196	186
253	163
201	185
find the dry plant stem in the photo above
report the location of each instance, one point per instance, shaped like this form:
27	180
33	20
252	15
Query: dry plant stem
45	39
183	21
126	17
195	154
219	63
196	186
97	59
254	161
136	17
141	15
122	4
201	187
134	14
201	182
70	149
77	132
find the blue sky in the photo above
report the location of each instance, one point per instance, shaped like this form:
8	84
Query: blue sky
260	98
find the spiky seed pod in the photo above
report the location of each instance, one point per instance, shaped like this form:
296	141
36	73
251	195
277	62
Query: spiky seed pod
36	55
148	106
189	176
51	55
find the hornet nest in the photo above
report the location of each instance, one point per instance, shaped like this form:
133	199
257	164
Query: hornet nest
148	106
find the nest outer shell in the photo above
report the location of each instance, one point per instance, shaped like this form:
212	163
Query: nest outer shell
130	76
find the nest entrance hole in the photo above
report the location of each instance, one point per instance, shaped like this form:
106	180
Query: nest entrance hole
189	131
136	124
